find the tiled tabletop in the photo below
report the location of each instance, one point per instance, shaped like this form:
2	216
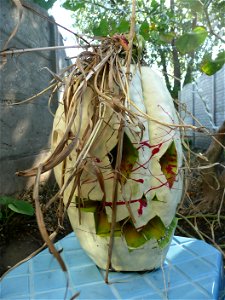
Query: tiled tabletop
192	270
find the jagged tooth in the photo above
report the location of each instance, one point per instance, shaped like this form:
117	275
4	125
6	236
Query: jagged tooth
134	239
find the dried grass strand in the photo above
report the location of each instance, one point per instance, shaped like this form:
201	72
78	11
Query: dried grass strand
13	33
41	223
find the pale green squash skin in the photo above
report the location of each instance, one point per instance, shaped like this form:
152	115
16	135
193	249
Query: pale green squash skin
161	197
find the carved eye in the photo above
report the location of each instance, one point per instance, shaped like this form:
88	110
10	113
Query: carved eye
168	164
129	158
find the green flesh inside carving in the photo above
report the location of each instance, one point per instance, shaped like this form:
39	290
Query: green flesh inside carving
103	227
154	229
169	232
87	205
133	238
129	158
156	199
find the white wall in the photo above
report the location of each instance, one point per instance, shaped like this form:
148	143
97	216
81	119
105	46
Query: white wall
205	100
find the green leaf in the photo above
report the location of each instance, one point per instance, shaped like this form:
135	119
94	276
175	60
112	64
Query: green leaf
46	4
210	67
189	42
167	37
73	6
194	5
22	207
123	26
144	30
139	42
6	200
112	27
102	29
154	5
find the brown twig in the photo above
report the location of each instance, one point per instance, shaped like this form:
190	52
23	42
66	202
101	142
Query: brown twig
120	149
54	22
53	48
114	199
41	224
210	26
20	10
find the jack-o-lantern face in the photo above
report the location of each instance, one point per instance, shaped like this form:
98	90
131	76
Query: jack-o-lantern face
150	181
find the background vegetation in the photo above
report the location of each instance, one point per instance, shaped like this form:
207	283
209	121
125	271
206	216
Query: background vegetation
182	37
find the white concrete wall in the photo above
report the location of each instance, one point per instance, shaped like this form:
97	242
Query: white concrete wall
25	129
205	99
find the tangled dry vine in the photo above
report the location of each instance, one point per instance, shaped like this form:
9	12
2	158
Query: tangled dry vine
97	67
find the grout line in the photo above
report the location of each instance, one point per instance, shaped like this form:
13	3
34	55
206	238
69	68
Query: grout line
31	279
196	284
153	287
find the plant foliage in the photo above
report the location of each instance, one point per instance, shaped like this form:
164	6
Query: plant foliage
15	205
179	36
46	4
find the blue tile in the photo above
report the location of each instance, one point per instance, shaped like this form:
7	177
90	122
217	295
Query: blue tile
200	248
16	297
211	284
189	291
70	243
22	269
44	262
169	277
84	275
183	240
96	292
51	280
178	254
192	271
214	259
15	286
119	275
55	295
154	296
133	287
77	258
196	269
173	242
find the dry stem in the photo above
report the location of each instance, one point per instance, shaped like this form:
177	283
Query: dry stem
120	147
26	50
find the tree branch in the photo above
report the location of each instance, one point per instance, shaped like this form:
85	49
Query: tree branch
210	26
54	22
176	62
189	71
164	67
20	51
